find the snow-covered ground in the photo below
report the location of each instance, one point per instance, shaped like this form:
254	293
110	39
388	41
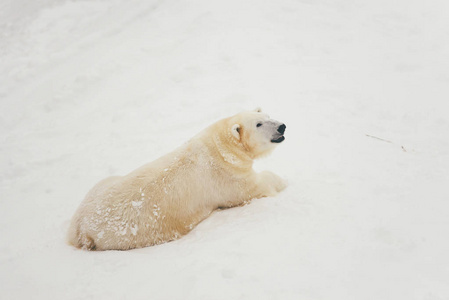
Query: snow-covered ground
94	88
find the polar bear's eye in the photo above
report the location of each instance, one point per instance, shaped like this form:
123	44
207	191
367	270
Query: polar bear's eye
259	124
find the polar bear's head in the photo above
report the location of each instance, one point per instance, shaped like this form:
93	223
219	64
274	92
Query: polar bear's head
257	132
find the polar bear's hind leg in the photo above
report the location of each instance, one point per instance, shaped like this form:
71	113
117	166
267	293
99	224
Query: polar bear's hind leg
81	240
87	243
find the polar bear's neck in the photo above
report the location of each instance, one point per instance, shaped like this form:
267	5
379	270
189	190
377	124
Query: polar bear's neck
231	152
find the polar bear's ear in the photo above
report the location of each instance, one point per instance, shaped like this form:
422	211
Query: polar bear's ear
236	131
258	109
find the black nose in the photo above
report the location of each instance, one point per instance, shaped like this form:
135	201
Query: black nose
281	128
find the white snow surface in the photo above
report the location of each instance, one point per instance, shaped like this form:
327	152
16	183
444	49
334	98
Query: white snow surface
90	89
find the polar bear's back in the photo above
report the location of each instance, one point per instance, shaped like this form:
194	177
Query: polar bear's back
160	201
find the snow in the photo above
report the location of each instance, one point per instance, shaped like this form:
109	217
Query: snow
90	89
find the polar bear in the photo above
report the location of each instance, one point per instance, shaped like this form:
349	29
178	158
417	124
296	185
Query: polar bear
165	199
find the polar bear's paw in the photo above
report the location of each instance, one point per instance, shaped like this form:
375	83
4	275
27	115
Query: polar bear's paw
272	183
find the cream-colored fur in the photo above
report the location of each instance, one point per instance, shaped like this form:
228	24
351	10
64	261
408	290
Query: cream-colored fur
165	199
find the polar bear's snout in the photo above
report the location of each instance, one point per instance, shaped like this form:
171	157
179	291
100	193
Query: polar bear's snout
278	137
281	129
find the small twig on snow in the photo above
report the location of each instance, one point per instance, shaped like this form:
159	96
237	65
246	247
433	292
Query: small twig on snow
375	137
383	140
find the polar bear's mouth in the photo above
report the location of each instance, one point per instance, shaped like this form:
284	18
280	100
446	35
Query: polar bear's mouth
278	140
